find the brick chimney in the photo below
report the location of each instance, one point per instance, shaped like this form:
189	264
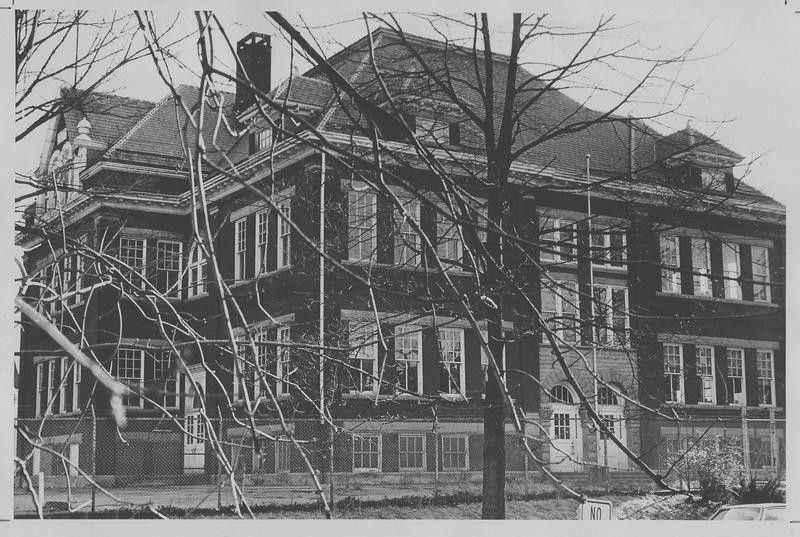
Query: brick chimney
255	63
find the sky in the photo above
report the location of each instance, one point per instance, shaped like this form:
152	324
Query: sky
745	71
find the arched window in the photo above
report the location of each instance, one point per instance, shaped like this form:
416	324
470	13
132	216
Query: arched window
606	396
561	394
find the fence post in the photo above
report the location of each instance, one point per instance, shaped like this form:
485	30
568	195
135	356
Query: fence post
332	437
745	443
436	454
94	454
41	491
219	468
773	442
525	457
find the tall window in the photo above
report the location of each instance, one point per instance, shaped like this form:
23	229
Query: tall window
240	253
284	234
611	315
77	371
195	429
261	242
701	267
761	285
129	371
558	239
671	262
65	382
735	383
132	254
454	452
560	309
362	226
168	267
731	270
704	357
408	357
451	370
197	272
407	241
284	362
363	356
263	138
412	452
366	452
53	391
162	370
448	241
766	378
608	248
41	393
673	373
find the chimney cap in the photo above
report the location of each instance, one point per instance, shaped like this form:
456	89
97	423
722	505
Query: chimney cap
84	127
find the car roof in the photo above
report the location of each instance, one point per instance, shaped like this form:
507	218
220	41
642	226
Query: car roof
753	505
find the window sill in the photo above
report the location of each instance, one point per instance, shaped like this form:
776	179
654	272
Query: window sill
409	268
239	283
717	299
609	268
366	470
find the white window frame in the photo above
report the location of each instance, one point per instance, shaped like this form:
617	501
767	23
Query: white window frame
409	453
606	248
126	398
670	270
760	376
703	375
407	334
52	386
284	249
172	290
141	268
283	362
62	386
670	398
195	429
263	138
447	451
449	247
76	386
735	354
561	237
362	225
40	388
610	337
407	250
445	337
761	275
363	345
701	277
197	272
262	241
559	289
360	438
239	249
731	271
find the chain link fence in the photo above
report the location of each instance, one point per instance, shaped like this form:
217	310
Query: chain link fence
194	463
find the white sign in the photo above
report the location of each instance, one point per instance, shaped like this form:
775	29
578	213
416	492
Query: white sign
594	510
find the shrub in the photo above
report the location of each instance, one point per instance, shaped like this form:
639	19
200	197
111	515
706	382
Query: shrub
718	466
770	491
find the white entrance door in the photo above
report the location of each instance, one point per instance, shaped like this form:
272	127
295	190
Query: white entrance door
565	434
608	453
194	445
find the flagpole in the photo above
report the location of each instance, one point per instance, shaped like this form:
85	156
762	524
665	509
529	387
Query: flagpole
591	278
